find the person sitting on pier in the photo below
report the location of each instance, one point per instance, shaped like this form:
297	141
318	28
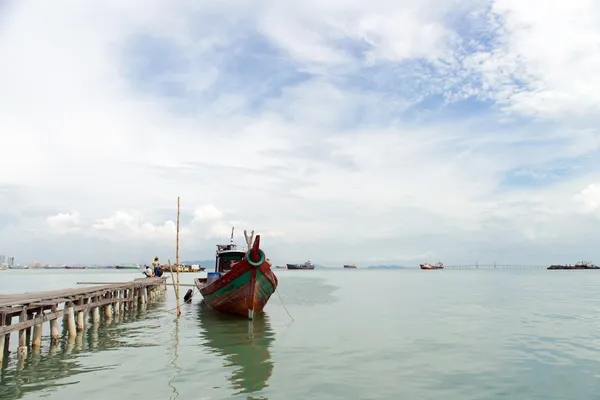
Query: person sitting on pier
159	272
148	272
155	266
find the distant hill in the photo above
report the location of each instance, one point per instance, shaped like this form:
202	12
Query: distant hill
387	267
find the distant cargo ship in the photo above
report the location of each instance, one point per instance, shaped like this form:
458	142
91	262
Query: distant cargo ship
350	266
128	266
306	265
435	266
579	265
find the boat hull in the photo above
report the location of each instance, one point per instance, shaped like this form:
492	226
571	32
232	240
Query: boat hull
573	267
243	291
427	267
300	266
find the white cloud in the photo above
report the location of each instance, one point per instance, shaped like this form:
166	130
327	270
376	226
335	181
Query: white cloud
64	222
302	122
548	61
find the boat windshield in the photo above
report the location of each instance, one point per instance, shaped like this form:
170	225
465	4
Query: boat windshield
226	258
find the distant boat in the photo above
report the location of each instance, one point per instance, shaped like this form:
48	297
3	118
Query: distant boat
3	267
128	266
184	268
306	265
579	265
281	267
350	266
435	266
242	282
75	267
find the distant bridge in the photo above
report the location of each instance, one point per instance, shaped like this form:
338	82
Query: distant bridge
493	266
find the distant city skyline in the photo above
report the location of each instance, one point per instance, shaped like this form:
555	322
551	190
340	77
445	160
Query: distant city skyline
7	260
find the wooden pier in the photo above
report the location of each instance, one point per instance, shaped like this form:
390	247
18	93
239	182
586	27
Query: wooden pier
75	306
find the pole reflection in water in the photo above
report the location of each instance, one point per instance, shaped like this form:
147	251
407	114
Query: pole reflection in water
243	344
176	369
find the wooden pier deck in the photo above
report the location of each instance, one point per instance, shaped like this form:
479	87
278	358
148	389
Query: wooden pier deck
75	306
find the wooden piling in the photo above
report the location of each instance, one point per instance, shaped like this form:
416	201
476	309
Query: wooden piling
108	309
7	322
96	313
80	317
117	304
54	333
71	320
37	330
22	333
2	339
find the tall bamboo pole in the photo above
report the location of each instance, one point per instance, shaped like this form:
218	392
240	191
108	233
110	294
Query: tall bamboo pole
177	257
175	289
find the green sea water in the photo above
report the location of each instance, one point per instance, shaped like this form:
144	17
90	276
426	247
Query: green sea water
356	334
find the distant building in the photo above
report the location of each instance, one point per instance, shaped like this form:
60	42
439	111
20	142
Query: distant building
11	261
2	259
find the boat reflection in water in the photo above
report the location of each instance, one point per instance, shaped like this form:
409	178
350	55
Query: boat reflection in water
243	344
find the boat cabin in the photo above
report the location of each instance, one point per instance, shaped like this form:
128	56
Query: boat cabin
227	254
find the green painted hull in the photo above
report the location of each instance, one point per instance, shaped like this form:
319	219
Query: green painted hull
237	296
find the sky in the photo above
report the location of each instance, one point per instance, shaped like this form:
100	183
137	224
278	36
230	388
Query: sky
379	132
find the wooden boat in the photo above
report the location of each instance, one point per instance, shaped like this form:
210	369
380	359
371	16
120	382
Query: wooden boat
306	265
435	266
245	282
184	268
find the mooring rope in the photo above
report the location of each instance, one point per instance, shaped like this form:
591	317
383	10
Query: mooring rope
283	304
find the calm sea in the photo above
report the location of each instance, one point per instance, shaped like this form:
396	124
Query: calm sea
356	334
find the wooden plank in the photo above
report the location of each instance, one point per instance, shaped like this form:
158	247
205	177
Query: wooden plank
11	310
49	303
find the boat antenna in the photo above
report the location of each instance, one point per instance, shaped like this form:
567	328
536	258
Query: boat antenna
231	239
